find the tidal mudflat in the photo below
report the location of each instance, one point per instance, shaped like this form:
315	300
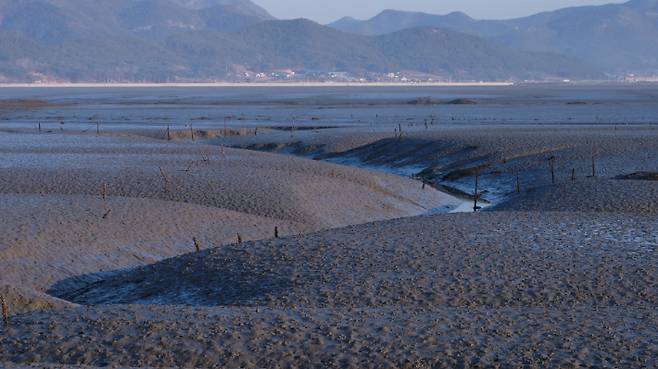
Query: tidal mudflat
329	227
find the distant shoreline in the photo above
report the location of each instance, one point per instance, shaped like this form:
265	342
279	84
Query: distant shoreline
249	84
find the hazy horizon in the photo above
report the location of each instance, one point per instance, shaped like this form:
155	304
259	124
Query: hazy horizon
364	9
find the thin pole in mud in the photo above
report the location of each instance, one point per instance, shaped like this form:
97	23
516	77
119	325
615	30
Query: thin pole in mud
192	131
475	195
573	175
5	311
239	239
276	232
518	183
225	130
551	162
168	133
98	128
593	167
196	244
104	191
39	127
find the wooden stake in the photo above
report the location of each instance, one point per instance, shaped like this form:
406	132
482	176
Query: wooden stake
98	128
39	127
104	191
276	232
239	239
593	167
573	175
475	195
196	244
168	133
192	131
5	311
518	183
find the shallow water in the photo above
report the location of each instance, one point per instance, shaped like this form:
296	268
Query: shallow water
207	107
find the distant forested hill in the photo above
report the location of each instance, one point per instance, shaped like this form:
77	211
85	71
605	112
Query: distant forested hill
207	40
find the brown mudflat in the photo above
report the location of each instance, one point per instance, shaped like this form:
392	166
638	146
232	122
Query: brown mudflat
496	289
99	237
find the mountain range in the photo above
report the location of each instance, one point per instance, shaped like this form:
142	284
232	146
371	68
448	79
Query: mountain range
236	40
615	38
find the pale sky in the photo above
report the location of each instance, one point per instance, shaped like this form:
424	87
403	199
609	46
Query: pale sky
325	11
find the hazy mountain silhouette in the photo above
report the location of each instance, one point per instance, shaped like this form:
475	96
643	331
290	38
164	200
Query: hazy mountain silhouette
617	38
201	40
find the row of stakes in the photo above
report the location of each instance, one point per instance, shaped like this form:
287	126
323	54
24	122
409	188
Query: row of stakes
168	130
477	195
197	245
98	128
3	303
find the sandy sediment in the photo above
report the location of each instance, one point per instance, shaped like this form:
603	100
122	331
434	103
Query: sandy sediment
317	194
558	290
601	260
562	275
588	195
45	239
159	196
351	338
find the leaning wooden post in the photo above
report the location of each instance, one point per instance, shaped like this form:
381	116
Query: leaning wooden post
239	239
5	311
475	195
